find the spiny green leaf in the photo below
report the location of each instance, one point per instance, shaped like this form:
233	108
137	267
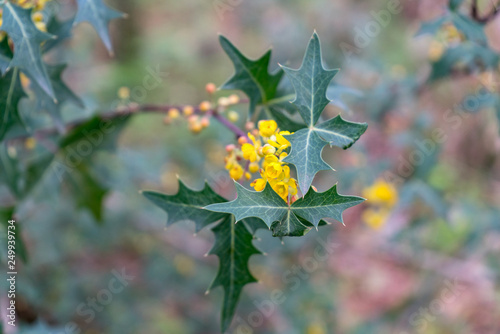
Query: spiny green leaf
22	176
233	242
311	83
98	14
5	55
11	92
234	247
62	92
89	192
60	29
251	76
27	39
339	132
268	206
188	204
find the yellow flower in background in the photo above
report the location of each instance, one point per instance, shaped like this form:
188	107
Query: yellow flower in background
382	196
375	218
436	51
315	328
267	128
381	192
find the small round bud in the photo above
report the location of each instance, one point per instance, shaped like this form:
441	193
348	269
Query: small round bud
30	143
230	148
242	140
205	106
188	110
248	176
210	88
233	99
205	122
195	127
38	17
223	102
254	167
173	113
124	93
268	149
233	116
193	119
249	125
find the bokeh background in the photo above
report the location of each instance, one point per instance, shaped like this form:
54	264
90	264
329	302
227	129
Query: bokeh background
422	257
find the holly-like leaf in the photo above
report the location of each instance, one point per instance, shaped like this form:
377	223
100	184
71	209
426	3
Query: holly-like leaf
311	83
251	76
11	92
43	102
89	192
188	204
233	242
234	247
284	219
27	39
5	55
60	29
98	14
21	176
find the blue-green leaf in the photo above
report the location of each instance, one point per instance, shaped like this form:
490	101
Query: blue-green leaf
284	219
27	39
98	14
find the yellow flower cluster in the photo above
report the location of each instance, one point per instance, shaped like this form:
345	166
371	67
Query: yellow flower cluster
263	152
448	34
37	5
382	196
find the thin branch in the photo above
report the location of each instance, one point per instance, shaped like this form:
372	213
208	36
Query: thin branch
130	110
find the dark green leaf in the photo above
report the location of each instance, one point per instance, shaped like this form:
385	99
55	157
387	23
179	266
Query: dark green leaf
62	31
188	204
11	92
5	55
22	176
234	247
251	76
7	214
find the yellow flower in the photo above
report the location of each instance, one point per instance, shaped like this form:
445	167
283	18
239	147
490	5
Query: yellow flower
382	193
279	141
253	168
375	218
267	128
268	150
258	184
249	152
236	171
273	170
281	188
